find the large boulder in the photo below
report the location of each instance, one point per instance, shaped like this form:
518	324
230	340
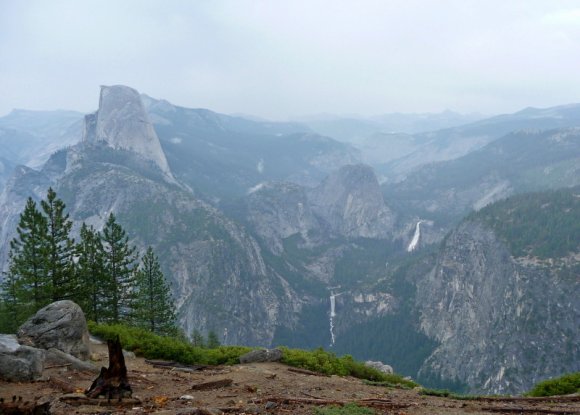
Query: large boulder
380	366
262	355
19	363
60	325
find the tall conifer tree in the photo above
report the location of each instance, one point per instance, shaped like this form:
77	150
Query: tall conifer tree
60	248
91	273
154	306
119	265
28	273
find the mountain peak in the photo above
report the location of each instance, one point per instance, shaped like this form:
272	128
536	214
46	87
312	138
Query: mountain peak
122	122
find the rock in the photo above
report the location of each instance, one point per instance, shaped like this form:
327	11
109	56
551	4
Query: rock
57	357
380	366
262	355
60	325
123	123
186	398
19	363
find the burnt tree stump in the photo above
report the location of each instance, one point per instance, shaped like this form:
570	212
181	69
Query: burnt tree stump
112	382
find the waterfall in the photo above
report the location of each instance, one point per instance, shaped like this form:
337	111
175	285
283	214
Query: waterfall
415	241
332	315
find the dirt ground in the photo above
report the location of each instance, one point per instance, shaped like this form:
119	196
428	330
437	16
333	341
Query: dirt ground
261	388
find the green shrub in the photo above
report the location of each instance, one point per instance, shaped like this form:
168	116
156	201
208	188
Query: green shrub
319	360
348	409
151	346
564	385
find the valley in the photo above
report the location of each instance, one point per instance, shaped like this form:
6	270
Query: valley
454	258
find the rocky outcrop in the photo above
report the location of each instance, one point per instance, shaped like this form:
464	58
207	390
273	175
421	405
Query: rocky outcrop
502	324
262	355
380	366
60	325
123	123
351	203
19	363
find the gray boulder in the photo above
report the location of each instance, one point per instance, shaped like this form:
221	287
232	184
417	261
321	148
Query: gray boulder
380	366
60	325
19	363
262	355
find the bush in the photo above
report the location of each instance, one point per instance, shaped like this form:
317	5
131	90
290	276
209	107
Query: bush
348	409
151	346
319	360
564	385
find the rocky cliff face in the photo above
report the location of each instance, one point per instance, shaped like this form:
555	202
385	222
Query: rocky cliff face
123	123
503	323
216	271
351	203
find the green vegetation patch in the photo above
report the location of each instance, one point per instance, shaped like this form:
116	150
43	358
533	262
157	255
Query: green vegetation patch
348	409
146	344
564	385
319	360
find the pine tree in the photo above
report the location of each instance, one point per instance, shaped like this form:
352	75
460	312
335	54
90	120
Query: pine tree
91	273
28	275
212	340
154	307
119	259
197	339
12	311
60	248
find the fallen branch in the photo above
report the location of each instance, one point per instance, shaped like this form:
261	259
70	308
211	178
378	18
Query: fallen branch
520	410
306	372
55	366
77	399
216	384
383	403
559	398
162	364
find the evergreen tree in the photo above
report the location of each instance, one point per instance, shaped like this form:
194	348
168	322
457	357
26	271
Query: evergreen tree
197	338
91	273
28	279
212	340
119	259
154	307
60	249
12	310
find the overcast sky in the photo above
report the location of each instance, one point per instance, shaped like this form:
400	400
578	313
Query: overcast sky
280	59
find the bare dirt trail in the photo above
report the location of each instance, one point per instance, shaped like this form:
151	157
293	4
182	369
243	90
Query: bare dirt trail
260	388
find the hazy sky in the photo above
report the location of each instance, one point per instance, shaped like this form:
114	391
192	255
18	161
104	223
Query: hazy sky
280	59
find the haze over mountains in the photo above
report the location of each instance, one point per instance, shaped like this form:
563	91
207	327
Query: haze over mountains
257	224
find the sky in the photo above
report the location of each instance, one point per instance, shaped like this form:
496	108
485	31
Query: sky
286	59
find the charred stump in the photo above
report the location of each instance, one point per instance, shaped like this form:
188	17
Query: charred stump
112	382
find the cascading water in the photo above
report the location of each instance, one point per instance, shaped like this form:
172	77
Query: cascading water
332	315
415	241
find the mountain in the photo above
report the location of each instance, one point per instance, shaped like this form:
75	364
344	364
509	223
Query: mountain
120	119
451	143
502	298
355	130
270	234
223	157
519	162
30	137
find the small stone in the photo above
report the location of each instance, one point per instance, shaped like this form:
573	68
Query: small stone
186	398
271	405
